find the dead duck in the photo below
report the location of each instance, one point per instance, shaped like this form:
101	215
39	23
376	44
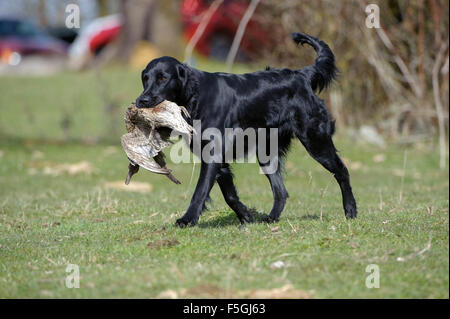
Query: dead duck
148	134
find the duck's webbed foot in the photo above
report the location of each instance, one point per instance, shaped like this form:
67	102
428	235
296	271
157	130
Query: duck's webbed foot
159	159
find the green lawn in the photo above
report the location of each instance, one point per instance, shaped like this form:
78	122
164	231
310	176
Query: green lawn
125	244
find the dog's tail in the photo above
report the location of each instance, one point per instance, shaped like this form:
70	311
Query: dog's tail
324	69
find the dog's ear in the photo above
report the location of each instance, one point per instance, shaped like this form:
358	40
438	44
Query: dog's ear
142	77
182	73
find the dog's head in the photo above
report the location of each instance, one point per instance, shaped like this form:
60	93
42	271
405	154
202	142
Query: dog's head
163	79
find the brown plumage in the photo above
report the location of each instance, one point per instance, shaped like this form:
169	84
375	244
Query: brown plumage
148	133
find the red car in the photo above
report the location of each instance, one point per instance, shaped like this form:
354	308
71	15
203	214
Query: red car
20	37
219	33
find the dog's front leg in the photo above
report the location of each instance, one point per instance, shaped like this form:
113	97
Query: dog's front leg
208	175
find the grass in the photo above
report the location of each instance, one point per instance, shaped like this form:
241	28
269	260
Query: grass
125	243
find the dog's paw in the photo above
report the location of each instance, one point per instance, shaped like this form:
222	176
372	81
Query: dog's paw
248	217
182	223
351	212
269	220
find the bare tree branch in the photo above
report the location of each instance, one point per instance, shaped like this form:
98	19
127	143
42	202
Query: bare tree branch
400	63
240	33
200	29
438	104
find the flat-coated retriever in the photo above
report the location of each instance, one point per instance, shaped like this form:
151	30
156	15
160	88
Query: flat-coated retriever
274	98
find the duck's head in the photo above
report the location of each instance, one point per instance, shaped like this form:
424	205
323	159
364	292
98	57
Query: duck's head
132	169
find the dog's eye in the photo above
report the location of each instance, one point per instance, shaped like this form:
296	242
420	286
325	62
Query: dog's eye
161	79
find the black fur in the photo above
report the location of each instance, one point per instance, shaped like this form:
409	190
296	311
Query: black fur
274	98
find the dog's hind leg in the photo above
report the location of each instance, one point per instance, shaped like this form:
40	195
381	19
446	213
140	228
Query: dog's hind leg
322	149
226	184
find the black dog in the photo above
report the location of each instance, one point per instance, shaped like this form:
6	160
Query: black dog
273	98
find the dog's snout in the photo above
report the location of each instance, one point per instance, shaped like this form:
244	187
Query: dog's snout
142	101
145	101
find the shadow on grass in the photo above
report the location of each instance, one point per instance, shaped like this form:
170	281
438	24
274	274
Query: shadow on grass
310	217
229	219
220	221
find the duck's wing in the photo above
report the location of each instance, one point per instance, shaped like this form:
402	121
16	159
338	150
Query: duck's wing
140	152
138	144
159	140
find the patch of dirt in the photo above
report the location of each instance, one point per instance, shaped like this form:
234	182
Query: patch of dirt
49	168
285	292
37	155
168	294
379	158
211	291
355	166
398	172
110	150
160	230
160	243
207	291
140	187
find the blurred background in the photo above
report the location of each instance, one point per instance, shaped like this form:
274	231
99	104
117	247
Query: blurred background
72	84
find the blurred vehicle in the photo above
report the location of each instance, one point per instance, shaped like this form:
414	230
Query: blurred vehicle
92	39
96	35
61	32
219	33
19	38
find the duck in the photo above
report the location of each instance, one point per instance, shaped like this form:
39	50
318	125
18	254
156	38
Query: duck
149	130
